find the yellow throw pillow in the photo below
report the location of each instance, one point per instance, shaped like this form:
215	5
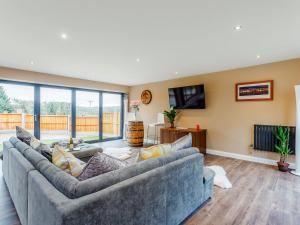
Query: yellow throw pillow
66	161
154	151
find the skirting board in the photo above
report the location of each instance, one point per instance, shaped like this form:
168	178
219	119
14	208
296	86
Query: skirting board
245	157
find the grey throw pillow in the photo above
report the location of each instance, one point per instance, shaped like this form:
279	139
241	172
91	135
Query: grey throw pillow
39	146
23	135
100	163
182	143
42	148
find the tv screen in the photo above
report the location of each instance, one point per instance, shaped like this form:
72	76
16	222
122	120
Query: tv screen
190	97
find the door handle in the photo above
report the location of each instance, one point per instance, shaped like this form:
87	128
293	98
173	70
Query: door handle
35	118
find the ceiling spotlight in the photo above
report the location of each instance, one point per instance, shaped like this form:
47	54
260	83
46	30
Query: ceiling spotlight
138	60
176	73
238	27
258	56
64	36
31	62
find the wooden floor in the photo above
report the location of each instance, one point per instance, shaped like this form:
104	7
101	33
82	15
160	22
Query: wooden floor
260	195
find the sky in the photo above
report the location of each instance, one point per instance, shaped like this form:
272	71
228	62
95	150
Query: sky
83	98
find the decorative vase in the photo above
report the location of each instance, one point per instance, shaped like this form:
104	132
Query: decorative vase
172	125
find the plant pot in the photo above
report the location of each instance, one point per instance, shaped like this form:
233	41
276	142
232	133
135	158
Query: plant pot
283	167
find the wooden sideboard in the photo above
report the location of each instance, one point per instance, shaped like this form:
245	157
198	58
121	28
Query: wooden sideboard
169	135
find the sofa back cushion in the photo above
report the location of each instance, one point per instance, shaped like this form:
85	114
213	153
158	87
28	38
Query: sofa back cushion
182	143
108	179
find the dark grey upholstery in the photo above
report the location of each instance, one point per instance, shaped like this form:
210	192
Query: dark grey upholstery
161	191
15	170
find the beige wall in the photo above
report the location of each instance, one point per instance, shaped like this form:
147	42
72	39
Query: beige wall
230	123
43	78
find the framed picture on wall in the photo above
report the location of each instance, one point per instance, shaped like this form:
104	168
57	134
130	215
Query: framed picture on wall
254	91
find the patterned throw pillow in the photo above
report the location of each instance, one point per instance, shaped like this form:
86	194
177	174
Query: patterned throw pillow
154	151
23	135
66	161
100	163
182	143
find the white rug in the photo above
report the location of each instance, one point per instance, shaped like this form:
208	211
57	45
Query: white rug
119	153
220	178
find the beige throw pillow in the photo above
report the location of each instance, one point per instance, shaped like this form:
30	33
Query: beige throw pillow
66	161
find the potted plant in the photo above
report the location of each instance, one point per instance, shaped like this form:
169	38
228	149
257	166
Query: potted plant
283	137
170	116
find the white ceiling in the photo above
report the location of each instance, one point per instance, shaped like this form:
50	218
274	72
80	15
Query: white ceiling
106	37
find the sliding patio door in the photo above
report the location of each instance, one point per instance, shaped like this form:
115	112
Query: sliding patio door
87	115
16	109
112	120
55	114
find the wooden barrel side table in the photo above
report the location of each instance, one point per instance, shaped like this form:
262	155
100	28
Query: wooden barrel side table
135	133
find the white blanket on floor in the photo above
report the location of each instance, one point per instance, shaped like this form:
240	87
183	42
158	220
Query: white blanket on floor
220	178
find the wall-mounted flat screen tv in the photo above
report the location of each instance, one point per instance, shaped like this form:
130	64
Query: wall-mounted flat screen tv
190	97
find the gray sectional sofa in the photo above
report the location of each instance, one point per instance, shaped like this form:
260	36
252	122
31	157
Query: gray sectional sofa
161	191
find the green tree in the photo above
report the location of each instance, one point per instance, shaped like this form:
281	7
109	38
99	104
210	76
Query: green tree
24	105
5	105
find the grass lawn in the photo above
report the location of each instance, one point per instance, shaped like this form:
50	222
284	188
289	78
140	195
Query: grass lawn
90	138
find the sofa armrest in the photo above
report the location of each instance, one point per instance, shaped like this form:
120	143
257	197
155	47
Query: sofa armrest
45	203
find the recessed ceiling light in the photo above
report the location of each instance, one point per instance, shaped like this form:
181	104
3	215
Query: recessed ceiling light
176	73
31	62
64	36
138	60
258	56
238	27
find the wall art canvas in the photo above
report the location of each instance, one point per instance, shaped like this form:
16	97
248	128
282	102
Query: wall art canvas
255	91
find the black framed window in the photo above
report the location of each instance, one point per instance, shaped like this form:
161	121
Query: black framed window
56	112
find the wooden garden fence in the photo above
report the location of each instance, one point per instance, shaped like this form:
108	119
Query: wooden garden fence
111	122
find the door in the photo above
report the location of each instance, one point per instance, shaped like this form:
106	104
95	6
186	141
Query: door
111	110
55	114
87	115
16	109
